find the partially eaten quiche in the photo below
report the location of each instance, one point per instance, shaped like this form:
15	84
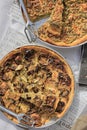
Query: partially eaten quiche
67	23
36	81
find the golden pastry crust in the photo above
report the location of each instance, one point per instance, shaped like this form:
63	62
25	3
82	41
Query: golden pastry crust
53	37
36	81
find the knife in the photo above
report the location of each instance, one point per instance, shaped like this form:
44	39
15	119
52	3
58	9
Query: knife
83	67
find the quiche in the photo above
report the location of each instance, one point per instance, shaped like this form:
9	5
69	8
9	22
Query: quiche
36	81
66	25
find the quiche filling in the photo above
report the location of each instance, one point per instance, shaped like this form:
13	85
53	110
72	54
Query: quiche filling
67	23
39	8
36	81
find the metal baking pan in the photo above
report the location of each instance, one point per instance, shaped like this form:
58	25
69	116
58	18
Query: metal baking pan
54	120
31	29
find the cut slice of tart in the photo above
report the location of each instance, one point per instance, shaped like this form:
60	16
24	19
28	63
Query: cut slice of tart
56	19
53	27
39	8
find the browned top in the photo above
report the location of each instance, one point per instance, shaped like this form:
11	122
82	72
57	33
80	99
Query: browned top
67	24
73	27
36	81
39	8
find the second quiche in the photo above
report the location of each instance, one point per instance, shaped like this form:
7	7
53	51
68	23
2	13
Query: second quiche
67	23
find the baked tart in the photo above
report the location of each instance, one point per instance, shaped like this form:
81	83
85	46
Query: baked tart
36	81
67	22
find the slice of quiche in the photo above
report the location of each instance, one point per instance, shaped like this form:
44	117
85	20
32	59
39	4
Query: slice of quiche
53	27
39	8
56	18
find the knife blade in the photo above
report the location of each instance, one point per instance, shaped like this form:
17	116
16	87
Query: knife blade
83	67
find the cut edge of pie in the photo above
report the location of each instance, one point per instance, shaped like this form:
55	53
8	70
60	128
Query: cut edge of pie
38	9
58	35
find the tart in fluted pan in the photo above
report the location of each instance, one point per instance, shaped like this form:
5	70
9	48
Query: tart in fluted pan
67	23
36	81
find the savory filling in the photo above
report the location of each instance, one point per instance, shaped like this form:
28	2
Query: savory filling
67	23
39	8
75	20
37	83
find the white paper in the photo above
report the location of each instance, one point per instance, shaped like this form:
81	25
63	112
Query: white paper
14	37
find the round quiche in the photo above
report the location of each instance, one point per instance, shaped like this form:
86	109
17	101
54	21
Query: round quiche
67	22
36	81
